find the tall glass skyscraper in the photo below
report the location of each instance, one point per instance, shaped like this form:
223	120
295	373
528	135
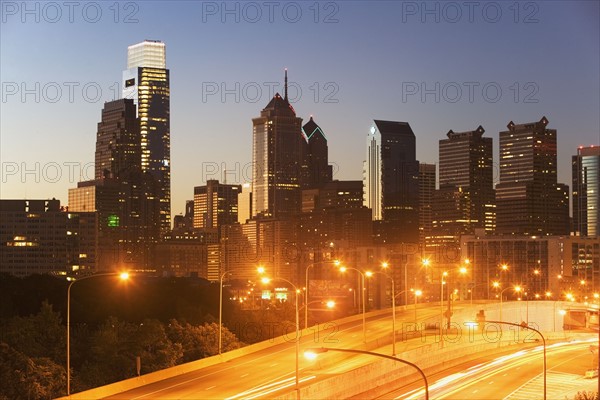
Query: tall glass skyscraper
391	180
277	144
586	191
146	81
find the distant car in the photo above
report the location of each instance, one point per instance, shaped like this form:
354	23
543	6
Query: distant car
591	373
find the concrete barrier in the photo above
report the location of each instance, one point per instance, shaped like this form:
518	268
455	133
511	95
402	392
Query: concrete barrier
152	377
536	311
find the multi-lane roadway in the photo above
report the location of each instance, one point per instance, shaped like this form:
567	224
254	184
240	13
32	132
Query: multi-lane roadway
270	372
517	375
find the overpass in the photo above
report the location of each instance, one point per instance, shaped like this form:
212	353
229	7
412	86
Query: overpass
267	369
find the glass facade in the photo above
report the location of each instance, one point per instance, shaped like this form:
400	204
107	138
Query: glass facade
586	191
149	53
146	81
277	160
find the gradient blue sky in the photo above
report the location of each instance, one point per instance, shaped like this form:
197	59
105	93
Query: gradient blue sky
370	52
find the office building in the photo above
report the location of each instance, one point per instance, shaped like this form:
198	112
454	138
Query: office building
277	159
118	142
146	82
586	191
316	168
427	177
391	174
529	201
215	205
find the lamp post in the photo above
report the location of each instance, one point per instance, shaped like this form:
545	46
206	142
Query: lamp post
426	263
384	266
471	291
364	321
329	304
517	289
417	294
311	354
221	310
525	326
267	280
122	275
336	262
462	271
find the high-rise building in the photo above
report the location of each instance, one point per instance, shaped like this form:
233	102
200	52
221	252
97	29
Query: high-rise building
427	175
316	168
215	205
245	203
391	177
124	197
118	142
529	201
277	159
146	81
466	188
586	191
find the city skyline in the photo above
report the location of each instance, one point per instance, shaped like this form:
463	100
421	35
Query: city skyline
389	88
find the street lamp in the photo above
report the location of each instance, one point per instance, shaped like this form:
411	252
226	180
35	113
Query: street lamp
417	294
523	325
426	262
221	310
266	280
312	354
385	265
471	291
462	271
517	289
364	321
122	275
329	304
335	262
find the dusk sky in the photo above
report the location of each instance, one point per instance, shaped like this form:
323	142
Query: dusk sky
353	61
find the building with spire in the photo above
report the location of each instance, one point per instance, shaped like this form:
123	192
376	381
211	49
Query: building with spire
146	81
277	150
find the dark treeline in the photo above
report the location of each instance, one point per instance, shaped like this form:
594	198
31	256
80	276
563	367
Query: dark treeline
163	321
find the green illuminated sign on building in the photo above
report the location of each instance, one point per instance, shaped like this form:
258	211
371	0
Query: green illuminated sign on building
112	221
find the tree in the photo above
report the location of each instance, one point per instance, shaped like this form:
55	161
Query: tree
29	378
200	341
40	335
156	351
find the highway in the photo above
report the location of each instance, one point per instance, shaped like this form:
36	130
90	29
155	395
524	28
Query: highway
271	371
518	375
